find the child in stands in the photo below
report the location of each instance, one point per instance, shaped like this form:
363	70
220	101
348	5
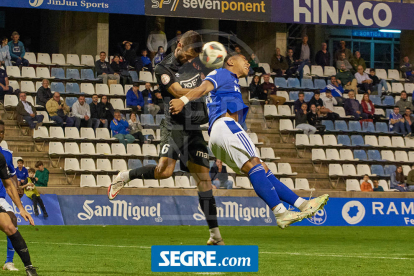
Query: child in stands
42	175
31	192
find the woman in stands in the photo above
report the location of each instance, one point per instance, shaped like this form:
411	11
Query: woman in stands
256	91
5	58
367	106
135	128
254	64
398	180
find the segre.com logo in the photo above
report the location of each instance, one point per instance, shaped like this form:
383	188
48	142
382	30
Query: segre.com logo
197	258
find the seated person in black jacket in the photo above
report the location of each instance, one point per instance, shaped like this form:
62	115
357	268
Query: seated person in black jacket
44	93
108	109
158	100
129	51
255	88
97	111
219	176
297	105
120	67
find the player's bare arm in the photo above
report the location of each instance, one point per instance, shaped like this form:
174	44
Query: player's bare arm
12	192
176	105
177	91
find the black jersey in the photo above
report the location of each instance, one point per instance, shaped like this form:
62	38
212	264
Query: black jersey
169	71
4	172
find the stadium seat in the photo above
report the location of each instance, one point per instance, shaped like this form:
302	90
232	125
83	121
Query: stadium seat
284	110
41	132
10	101
118	104
307	84
44	58
270	110
308	96
56	148
148	131
134	149
335	170
267	153
13	71
103	148
293	95
116	89
389	169
384	141
306	70
167	183
329	71
353	185
381	127
394	74
401	156
383	183
103	165
134	164
317	70
57	87
103	181
151	183
87	74
87	180
266	67
145	76
14	84
387	155
134	76
102	89
73	148
271	166
27	86
332	154
59	59
72	87
87	164
87	88
398	142
147	119
302	184
376	100
149	150
371	140
288	182
119	165
368	127
103	133
71	133
242	182
29	72
380	112
409	87
374	155
363	169
281	82
71	164
355	126
302	140
341	111
182	182
254	138
284	168
285	124
357	140
329	126
56	132
4	145
349	169
315	140
346	154
72	74
409	142
397	87
388	100
318	154
329	140
377	170
87	133
381	74
293	83
118	149
73	59
406	169
136	183
159	118
320	83
87	60
31	58
341	125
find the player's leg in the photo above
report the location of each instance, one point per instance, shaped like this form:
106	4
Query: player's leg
9	265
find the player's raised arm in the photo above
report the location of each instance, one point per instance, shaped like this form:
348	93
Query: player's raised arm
176	105
177	91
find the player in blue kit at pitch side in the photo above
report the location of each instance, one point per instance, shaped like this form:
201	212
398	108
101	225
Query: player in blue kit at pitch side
231	144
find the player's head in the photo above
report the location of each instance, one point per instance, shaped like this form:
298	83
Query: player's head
39	166
189	47
237	64
20	163
1	131
31	172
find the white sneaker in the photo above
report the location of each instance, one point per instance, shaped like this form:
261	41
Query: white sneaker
286	218
212	241
312	206
115	188
9	266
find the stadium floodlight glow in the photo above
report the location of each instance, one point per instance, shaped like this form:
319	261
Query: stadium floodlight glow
390	31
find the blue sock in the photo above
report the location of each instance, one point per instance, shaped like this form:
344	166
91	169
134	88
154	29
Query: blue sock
285	194
263	187
10	251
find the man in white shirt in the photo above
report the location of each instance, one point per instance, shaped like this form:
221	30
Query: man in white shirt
363	80
82	113
328	103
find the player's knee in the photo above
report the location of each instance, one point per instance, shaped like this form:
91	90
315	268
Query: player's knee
13	218
10	229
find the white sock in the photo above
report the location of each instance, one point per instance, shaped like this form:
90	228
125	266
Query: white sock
125	176
280	208
299	202
215	233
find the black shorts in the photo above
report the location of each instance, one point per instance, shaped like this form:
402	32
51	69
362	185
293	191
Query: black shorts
2	210
184	145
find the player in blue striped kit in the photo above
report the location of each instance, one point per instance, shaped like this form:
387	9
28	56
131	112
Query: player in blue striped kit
230	143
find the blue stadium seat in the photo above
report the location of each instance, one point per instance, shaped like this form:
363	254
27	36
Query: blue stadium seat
341	125
72	87
58	73
328	125
149	162
293	95
376	100
57	87
147	119
388	112
344	140
378	170
307	84
360	154
134	163
308	96
381	127
293	83
374	155
388	100
355	126
134	76
320	83
357	140
70	101
87	74
389	169
88	100
72	74
158	118
368	127
281	82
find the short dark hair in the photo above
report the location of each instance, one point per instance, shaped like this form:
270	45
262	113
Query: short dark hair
328	91
408	108
143	50
1	122
38	164
31	170
136	84
192	39
95	95
316	93
372	70
396	107
366	175
20	160
103	52
117	111
229	56
301	93
405	92
80	96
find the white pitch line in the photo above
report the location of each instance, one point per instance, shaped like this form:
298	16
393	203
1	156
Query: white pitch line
336	255
92	245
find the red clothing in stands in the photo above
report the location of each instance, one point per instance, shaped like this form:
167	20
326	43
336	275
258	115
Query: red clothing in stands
365	107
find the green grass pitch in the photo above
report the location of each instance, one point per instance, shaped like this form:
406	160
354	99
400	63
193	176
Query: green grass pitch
125	250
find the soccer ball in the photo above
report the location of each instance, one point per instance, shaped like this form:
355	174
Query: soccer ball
213	55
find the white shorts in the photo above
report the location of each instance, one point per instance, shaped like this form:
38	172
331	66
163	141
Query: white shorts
231	144
5	205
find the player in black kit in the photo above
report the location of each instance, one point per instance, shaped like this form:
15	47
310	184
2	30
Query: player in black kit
181	136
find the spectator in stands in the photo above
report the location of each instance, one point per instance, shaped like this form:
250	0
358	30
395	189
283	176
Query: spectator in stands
336	90
398	124
302	120
129	51
134	98
357	61
278	63
323	57
158	100
367	106
238	50
406	68
177	39
149	106
27	112
353	107
409	118
343	49
107	109
398	180
377	187
377	83
313	116
44	94
303	54
82	113
5	89
42	175
404	103
328	105
156	39
17	50
255	88
146	61
104	70
120	67
343	61
219	176
21	172
159	56
254	64
347	79
97	113
135	128
297	105
270	89
410	179
119	128
5	58
365	185
59	111
364	81
31	192
292	64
